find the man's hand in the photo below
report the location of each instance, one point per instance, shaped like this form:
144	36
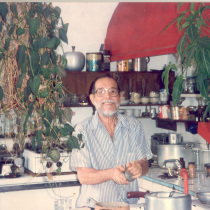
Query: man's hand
117	175
137	168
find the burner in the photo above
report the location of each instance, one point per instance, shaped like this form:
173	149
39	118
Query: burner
166	176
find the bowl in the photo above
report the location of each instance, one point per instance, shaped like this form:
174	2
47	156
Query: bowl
136	100
153	94
144	100
124	102
204	197
154	100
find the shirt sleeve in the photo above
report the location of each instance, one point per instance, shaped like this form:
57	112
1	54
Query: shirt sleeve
143	149
80	157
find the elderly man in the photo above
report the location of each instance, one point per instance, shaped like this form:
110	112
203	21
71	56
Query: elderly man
112	142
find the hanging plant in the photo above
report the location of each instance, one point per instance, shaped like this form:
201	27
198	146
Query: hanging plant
194	49
31	72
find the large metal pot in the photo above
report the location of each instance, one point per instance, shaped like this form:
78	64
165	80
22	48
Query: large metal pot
161	200
170	151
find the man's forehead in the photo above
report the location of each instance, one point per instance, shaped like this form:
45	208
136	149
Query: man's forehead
106	81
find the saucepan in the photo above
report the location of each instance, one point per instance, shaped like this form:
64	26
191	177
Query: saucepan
164	200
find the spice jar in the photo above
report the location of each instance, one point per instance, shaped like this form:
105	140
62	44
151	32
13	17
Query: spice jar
191	166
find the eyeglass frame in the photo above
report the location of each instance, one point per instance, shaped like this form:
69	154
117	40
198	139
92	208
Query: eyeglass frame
107	89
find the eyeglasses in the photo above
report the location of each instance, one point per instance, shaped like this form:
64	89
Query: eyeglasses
102	92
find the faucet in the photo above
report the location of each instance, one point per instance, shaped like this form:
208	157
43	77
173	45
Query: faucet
182	172
170	171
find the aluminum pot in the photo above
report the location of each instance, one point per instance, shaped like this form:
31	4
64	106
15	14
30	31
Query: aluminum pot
204	197
161	200
174	151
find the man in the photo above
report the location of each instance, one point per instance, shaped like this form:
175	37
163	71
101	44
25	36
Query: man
112	141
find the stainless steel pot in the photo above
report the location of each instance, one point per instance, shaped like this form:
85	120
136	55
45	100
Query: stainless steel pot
174	151
163	201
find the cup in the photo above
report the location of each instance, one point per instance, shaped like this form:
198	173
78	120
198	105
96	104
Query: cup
137	112
129	112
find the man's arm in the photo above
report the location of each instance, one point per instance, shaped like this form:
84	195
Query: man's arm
93	176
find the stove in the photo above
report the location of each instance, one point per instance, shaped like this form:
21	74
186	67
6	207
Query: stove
35	162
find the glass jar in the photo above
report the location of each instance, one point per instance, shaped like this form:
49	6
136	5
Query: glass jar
197	158
191	166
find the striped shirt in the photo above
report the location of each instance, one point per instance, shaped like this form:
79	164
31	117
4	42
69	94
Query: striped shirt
100	153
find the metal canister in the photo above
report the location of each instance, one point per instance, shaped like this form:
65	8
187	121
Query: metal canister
175	112
93	61
153	113
137	64
122	65
164	111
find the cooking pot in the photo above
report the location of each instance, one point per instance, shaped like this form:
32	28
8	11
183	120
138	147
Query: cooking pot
174	151
112	205
165	201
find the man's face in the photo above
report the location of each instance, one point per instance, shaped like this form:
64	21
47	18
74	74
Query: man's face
105	100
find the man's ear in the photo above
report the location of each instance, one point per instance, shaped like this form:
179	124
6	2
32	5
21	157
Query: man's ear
91	96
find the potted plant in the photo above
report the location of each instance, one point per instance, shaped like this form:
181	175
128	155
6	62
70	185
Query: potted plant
194	50
31	72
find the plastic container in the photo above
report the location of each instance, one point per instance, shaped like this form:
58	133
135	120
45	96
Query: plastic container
197	158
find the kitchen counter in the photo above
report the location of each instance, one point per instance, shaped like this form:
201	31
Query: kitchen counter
153	182
27	184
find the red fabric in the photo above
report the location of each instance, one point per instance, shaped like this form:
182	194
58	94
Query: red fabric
204	130
136	30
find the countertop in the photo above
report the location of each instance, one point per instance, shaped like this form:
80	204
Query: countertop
194	185
27	182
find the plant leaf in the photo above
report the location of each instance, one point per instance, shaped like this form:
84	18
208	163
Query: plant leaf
39	138
44	94
47	118
53	57
1	93
46	12
72	143
177	89
35	84
20	31
1	26
3	10
63	35
13	8
45	58
20	81
7	44
21	55
182	43
34	62
33	25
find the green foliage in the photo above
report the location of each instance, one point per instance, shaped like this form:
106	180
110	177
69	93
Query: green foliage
193	48
32	37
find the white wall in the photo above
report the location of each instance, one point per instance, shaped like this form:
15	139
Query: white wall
88	22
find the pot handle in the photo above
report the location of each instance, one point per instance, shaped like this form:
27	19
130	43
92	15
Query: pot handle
136	194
